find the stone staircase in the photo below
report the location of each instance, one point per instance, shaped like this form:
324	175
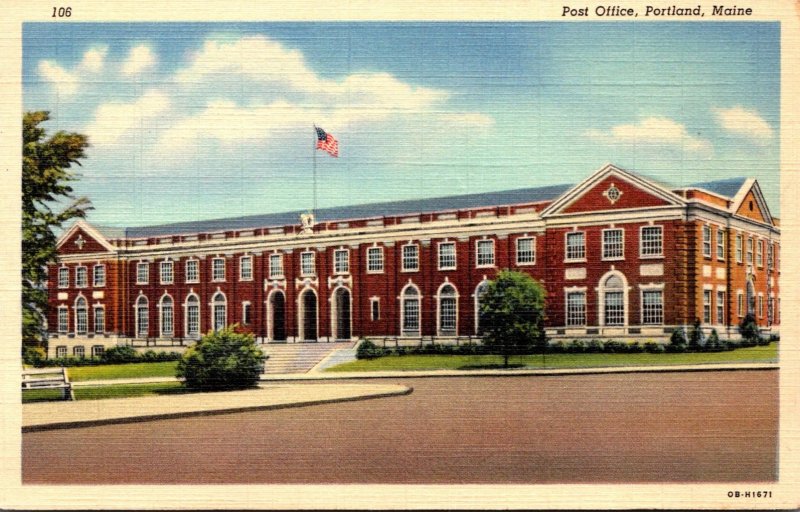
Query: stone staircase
299	357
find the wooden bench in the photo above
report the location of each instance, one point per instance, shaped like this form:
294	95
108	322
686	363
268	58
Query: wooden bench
48	378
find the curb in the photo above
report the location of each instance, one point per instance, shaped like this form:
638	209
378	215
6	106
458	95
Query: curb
212	412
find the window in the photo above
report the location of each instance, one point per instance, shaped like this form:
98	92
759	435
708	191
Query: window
410	311
61	351
142	317
770	255
375	259
99	320
275	266
447	256
651	241
167	316
760	254
739	303
63	319
447	310
485	253
218	269
613	244
219	312
99	275
375	309
760	306
192	316
720	307
707	306
738	248
246	313
576	247
707	241
78	351
97	350
526	251
81	277
167	273
142	273
307	267
246	268
63	277
614	301
720	244
576	308
81	316
749	251
341	261
192	271
652	307
410	258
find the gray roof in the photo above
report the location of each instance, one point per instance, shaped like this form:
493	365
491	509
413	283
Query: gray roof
727	187
362	211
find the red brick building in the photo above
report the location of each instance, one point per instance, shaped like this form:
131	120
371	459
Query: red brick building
619	255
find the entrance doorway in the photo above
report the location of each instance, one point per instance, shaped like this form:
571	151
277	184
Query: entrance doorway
341	314
308	316
277	316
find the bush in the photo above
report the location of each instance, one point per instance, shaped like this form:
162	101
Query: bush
635	348
696	337
748	328
120	354
774	337
222	360
713	343
654	348
34	356
369	350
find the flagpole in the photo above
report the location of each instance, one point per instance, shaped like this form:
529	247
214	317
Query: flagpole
314	174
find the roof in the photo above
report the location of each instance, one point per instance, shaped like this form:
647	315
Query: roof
727	187
362	211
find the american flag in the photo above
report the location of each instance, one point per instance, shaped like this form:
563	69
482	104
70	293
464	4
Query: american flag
327	142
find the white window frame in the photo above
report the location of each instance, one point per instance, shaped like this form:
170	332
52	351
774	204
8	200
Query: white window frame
720	307
163	319
95	282
740	303
81	270
61	351
246	276
760	305
581	249
603	290
142	272
214	305
707	309
187	320
532	252
63	319
215	270
138	306
405	261
706	241
374	309
739	249
440	256
311	270
166	272
607	246
760	254
440	330
770	255
375	266
102	310
276	266
651	289
63	277
643	247
720	244
574	318
247	307
196	264
403	299
78	310
749	250
488	259
341	266
79	351
97	350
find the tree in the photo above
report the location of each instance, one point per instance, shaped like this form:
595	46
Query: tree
47	203
512	315
225	359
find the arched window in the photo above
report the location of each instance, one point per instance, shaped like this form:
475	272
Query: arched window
81	316
410	321
219	311
613	294
167	317
192	316
142	317
448	310
480	290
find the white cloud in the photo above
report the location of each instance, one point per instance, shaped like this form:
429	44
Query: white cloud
113	120
65	81
745	123
94	59
140	58
653	131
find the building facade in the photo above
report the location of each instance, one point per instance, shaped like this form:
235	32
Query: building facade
619	255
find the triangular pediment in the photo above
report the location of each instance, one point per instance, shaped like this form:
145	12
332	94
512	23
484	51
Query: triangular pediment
611	188
749	202
82	238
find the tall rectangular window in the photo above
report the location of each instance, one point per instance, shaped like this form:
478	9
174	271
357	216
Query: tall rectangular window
652	307
218	269
614	308
749	251
192	271
375	309
81	320
142	273
167	272
63	277
341	261
760	306
576	308
613	244
485	253
760	254
526	251
707	241
63	319
246	313
576	246
275	266
738	248
652	241
707	306
447	256
720	244
740	303
375	259
307	266
81	277
770	255
99	275
99	320
410	258
720	307
192	319
246	268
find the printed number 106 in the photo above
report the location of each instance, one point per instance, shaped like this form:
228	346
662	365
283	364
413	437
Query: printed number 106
62	12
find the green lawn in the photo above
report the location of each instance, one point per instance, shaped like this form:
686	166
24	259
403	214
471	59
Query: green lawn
444	362
122	371
110	391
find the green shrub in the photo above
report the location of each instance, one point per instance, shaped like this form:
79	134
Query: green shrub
595	346
368	350
34	356
748	328
774	337
120	354
696	336
222	360
713	343
635	348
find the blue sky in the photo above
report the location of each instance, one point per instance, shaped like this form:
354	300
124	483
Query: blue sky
201	120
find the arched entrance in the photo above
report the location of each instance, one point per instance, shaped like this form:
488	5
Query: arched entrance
277	316
308	315
341	313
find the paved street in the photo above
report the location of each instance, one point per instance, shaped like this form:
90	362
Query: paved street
650	427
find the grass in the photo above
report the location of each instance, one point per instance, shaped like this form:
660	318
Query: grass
109	391
122	371
452	362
